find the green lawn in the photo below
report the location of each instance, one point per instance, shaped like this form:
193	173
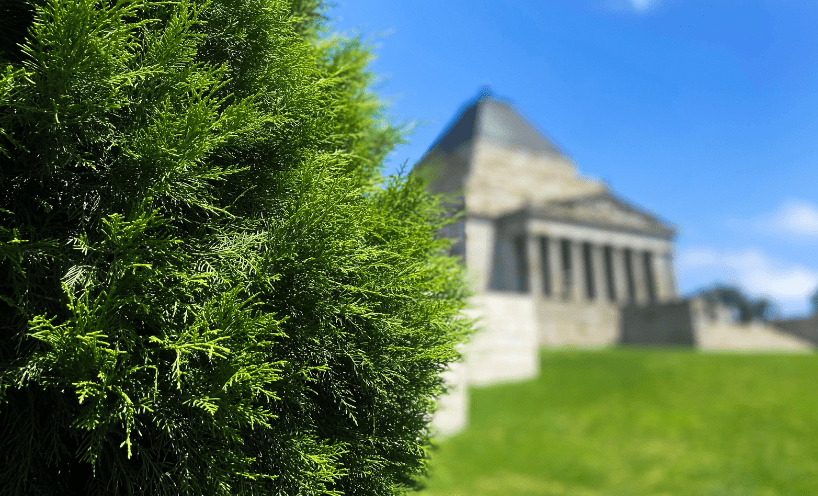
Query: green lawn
638	422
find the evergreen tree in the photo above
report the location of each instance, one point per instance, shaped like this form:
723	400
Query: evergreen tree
207	287
746	308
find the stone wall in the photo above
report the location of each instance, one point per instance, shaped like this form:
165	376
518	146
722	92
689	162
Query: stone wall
719	333
665	324
480	246
505	346
754	336
453	407
691	323
577	323
503	179
805	328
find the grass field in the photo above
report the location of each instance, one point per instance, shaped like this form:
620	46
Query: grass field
635	422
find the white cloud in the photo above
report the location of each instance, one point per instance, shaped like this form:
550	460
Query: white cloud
629	6
642	5
795	217
756	273
764	276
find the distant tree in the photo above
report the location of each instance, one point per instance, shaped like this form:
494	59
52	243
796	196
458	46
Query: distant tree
763	310
814	301
747	309
206	286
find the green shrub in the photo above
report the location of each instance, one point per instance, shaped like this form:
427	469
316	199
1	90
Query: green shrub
207	287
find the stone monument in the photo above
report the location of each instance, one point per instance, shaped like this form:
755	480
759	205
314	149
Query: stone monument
557	259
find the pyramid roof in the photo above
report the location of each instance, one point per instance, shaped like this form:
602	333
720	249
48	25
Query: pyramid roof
497	121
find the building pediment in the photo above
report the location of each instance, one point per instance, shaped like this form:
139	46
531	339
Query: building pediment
606	211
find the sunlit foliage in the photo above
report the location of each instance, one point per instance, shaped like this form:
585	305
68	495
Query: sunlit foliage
207	287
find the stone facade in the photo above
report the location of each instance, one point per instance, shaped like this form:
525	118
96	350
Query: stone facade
556	259
535	228
805	328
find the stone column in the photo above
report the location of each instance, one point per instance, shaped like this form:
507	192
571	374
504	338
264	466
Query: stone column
534	265
620	277
670	276
660	277
651	282
600	278
555	261
639	278
578	266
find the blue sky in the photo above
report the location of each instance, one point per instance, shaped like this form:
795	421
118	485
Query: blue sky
704	112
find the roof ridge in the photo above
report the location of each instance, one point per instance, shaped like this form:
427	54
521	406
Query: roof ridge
487	116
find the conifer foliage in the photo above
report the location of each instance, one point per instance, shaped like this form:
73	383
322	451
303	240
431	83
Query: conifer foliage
206	286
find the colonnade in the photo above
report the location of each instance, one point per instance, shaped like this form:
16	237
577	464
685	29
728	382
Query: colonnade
567	269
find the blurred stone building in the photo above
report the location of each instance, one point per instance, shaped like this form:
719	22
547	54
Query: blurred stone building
535	230
556	258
